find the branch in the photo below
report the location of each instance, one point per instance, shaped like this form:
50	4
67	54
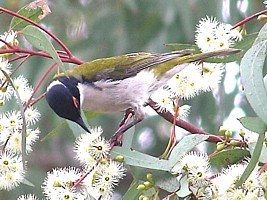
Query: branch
190	127
63	58
40	27
241	23
39	85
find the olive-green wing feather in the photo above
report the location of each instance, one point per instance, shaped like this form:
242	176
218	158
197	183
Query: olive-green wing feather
125	66
121	67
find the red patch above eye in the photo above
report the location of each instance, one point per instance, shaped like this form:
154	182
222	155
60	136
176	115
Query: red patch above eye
75	102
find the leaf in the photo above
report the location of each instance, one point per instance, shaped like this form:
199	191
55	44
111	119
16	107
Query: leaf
226	157
261	35
166	181
184	190
27	182
127	138
263	156
253	161
34	11
39	40
23	131
138	159
75	128
178	47
54	131
243	45
185	145
251	70
132	193
91	115
254	124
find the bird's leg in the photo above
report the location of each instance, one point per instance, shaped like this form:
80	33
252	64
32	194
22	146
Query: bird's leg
125	119
172	140
114	140
124	126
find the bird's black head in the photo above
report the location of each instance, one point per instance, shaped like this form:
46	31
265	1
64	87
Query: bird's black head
63	97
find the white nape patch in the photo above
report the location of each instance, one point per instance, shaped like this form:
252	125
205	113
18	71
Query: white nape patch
114	96
54	83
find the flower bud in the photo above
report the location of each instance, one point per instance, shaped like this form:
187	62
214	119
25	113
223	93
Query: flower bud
119	158
241	132
228	134
220	146
149	177
233	143
262	18
141	187
2	102
148	184
222	130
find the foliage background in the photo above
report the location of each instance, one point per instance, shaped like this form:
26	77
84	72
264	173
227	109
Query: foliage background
102	28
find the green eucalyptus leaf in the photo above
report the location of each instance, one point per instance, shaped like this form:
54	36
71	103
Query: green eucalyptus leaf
263	155
91	115
253	161
227	157
39	40
178	47
185	145
243	45
184	189
127	138
166	181
27	182
251	69
20	105
54	131
34	11
254	124
261	37
135	158
75	128
132	193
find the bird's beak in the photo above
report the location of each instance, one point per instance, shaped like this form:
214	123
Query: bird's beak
82	124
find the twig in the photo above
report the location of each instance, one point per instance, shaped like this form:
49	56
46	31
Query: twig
40	27
241	23
39	85
191	128
42	54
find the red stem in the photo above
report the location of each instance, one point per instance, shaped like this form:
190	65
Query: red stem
263	168
73	60
84	176
191	128
10	46
39	85
15	69
241	23
40	27
37	99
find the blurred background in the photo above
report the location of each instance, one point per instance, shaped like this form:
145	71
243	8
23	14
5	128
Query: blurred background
102	28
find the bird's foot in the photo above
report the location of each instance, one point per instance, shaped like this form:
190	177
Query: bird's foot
115	139
127	115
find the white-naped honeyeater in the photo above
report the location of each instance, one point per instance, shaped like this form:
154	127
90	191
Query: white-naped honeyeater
117	83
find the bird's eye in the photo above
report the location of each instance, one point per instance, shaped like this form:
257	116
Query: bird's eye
75	102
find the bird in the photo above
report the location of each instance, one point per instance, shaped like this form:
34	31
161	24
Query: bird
117	83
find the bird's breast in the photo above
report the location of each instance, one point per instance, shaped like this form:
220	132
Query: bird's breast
113	96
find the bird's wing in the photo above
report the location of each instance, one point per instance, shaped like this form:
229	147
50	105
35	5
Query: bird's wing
121	67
